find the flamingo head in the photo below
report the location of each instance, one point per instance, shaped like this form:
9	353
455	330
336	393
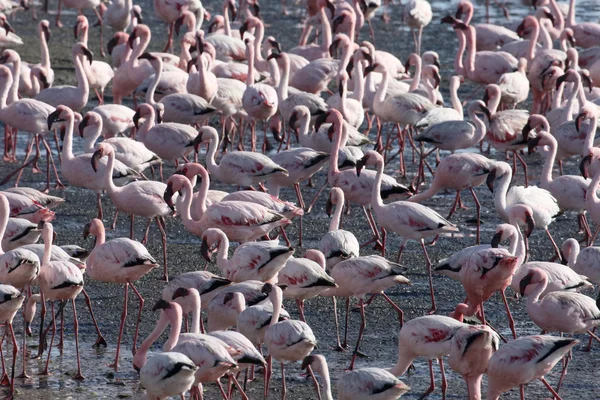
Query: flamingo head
211	238
245	27
102	150
180	21
80	23
331	116
7	27
91	119
136	12
255	7
586	113
584	164
92	228
175	183
44	28
371	158
587	79
274	44
80	49
117	39
496	173
529	279
61	114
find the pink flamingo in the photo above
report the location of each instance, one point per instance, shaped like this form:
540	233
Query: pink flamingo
192	171
12	300
562	312
141	198
585	261
360	276
77	170
337	244
99	74
20	232
470	352
523	360
417	14
428	336
63	281
315	51
514	86
206	283
287	341
363	382
587	34
458	172
410	220
305	278
259	261
116	119
241	221
489	36
203	82
222	312
167	374
119	260
74	97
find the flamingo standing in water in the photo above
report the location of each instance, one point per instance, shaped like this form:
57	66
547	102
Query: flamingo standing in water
10	303
523	360
119	260
410	220
417	14
362	383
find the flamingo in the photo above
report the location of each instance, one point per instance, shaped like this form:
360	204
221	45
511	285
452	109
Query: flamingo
362	382
116	119
305	278
206	283
192	171
74	97
417	15
584	261
410	220
514	86
337	244
314	51
141	198
119	260
562	312
241	221
587	34
428	336
251	261
77	170
523	360
543	204
437	115
458	172
167	374
20	232
470	352
9	37
59	280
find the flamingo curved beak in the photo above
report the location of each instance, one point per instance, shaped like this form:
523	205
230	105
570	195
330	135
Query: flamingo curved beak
496	239
181	292
53	117
168	196
526	281
530	225
205	250
585	162
329	206
161	305
94	160
360	164
531	144
82	125
490	180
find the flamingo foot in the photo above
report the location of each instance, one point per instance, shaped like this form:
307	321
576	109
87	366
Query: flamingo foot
5	381
79	377
100	342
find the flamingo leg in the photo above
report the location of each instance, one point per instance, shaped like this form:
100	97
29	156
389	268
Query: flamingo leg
400	250
115	365
302	205
99	206
57	21
478	210
19	171
433	307
45	370
431	381
160	221
5	381
556	396
363	324
169	45
242	392
222	390
100	341
373	225
395	307
268	375
145	238
511	321
78	376
312	203
337	325
563	373
556	250
592	337
114	223
139	317
524	164
300	304
444	381
14	360
454	205
522	392
593	239
283	386
42	338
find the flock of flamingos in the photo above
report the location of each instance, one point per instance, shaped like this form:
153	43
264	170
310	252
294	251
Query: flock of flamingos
311	100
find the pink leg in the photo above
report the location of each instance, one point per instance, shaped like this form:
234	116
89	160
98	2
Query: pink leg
115	365
395	307
99	206
114	223
283	386
45	370
301	204
300	304
556	250
478	209
337	325
444	382
169	45
312	203
454	205
78	376
160	222
100	341
139	317
511	322
145	238
14	360
363	324
524	167
401	250
433	307
556	396
4	381
222	391
431	381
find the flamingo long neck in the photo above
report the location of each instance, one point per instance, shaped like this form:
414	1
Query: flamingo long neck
84	36
141	355
14	87
458	62
109	185
567	113
185	212
139	49
275	73
500	197
426	194
469	14
334	225
325	31
100	234
195	304
494	102
304	35
89	139
276	298
402	363
333	160
250	57
304	130
258	39
591	195
376	201
47	237
591	134
323	370
414	85
546	176
227	26
67	149
572	259
474	386
546	39
571	15
535	34
359	81
580	91
559	19
533	300
382	89
471	49
346	55
343	103
519	250
282	89
158	67
211	164
82	81
456	104
6	86
203	192
44	53
4	213
558	96
146	125
480	128
223	251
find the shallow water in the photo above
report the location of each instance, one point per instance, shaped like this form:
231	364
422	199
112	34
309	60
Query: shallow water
380	336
